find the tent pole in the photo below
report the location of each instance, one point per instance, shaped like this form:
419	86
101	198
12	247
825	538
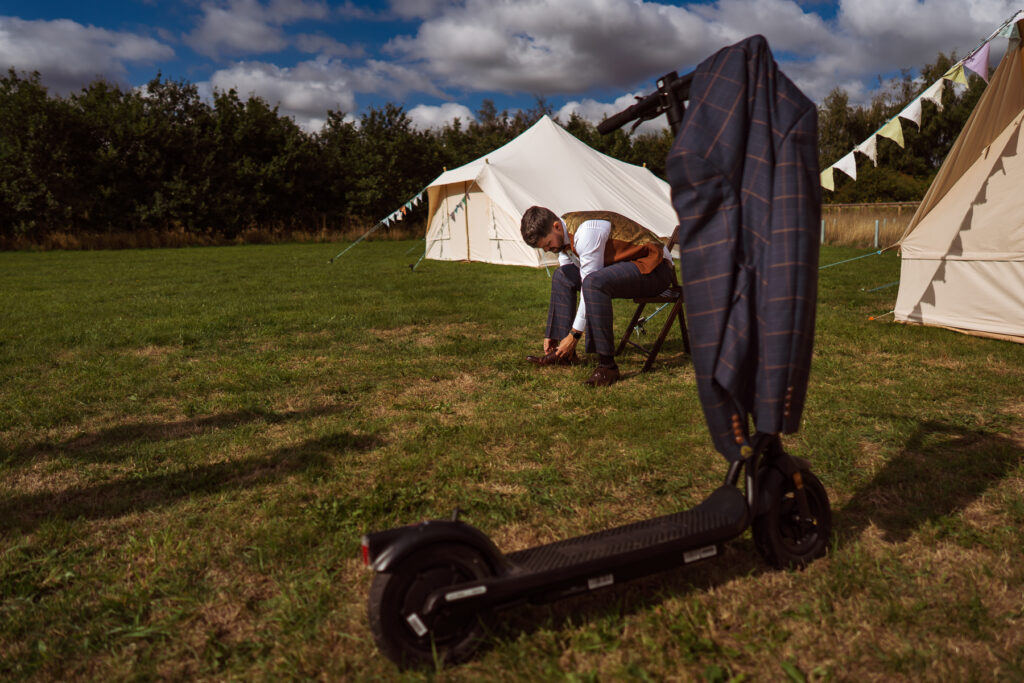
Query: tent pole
465	217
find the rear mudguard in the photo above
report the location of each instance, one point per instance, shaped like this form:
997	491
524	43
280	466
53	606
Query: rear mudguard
383	550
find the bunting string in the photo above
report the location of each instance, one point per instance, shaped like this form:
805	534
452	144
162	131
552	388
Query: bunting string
395	216
976	62
462	204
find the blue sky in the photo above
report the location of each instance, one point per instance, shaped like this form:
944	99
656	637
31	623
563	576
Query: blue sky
442	58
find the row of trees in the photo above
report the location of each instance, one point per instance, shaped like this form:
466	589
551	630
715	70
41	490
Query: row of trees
162	158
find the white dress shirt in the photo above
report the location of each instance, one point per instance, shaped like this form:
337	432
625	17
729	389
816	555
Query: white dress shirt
590	240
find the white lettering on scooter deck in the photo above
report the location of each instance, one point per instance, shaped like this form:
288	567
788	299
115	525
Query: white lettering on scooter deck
466	593
417	624
700	554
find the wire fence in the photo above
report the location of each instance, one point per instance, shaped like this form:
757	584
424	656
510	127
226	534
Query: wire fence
875	225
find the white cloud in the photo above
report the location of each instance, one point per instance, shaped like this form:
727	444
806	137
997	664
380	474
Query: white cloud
571	46
307	90
594	112
287	11
425	116
905	33
420	9
243	27
68	55
546	47
319	44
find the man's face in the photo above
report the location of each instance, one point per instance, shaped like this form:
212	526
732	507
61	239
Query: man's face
554	241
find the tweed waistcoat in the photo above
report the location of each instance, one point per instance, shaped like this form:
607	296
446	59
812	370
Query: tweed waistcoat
628	241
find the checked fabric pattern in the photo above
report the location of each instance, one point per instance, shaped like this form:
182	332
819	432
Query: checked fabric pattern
744	177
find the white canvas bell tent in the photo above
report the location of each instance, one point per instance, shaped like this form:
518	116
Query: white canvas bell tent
474	210
963	252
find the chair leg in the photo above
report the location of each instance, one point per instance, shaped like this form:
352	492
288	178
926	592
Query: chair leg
653	353
629	328
683	330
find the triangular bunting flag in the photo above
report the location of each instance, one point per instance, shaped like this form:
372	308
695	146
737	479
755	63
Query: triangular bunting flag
404	209
847	165
934	93
956	74
978	62
869	148
386	221
912	112
893	130
827	180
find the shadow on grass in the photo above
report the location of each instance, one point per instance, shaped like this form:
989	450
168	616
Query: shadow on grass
106	445
670	356
941	470
138	493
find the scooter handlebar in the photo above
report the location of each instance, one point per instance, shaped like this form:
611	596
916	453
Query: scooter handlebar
635	111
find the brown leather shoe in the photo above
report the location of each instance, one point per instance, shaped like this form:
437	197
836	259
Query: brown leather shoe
551	359
603	376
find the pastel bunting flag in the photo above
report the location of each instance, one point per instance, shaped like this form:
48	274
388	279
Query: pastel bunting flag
847	165
912	112
827	179
956	74
978	62
893	130
869	148
934	93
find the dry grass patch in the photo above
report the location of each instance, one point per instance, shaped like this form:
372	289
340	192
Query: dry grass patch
153	351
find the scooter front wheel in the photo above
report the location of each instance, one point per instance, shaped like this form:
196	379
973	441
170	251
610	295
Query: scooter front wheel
785	535
402	632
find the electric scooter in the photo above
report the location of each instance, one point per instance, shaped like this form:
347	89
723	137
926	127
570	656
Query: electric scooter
437	582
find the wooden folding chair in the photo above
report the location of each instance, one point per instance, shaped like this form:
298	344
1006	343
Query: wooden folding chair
671	297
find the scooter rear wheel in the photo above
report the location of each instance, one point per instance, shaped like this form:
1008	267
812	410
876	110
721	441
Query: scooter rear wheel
783	535
403	634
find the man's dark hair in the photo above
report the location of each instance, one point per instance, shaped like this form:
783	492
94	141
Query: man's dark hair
536	224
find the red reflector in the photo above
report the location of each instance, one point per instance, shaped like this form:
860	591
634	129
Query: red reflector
366	555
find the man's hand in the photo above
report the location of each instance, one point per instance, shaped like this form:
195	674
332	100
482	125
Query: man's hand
566	346
549	346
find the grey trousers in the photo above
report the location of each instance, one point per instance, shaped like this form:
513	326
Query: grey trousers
618	281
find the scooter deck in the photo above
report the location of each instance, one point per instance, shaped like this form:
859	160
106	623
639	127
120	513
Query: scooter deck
707	523
562	568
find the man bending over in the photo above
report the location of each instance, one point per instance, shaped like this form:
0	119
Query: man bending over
606	256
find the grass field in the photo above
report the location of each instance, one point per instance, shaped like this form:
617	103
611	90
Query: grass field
193	440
